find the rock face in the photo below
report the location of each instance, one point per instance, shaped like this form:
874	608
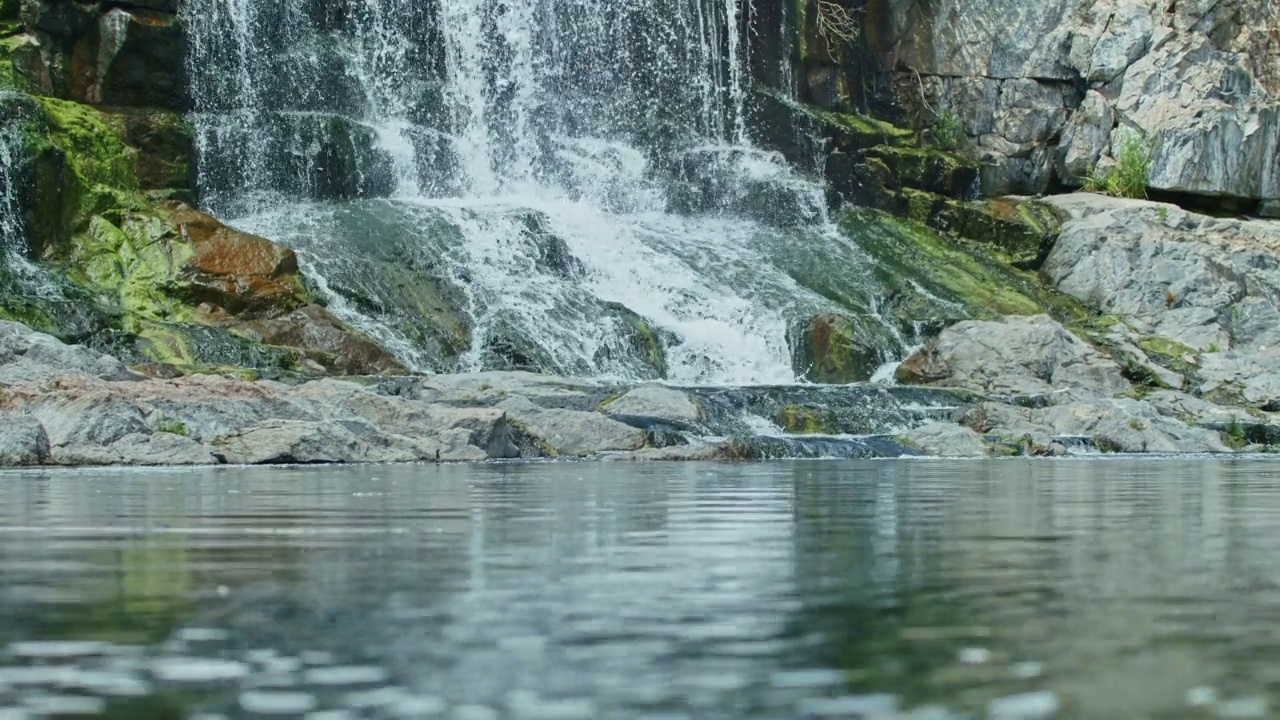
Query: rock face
1045	91
1014	356
1196	292
946	440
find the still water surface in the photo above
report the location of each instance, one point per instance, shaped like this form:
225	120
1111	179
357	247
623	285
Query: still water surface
1103	589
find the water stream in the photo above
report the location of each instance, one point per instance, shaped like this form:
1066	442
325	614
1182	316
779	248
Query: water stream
575	177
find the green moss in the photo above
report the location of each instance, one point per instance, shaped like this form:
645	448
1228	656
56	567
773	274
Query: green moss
173	427
806	420
1166	349
92	141
1233	435
971	280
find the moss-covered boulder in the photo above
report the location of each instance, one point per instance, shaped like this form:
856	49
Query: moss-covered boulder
1023	229
836	349
800	419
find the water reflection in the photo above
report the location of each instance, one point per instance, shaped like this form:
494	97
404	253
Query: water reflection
1114	588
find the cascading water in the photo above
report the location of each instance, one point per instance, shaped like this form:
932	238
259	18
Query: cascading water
574	177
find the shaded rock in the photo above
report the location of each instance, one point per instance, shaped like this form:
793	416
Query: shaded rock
571	432
945	440
322	338
1015	356
23	442
649	404
835	349
27	356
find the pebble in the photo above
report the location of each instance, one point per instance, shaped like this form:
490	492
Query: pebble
201	635
1026	706
1201	696
347	675
198	671
425	706
856	705
262	702
1241	708
1027	670
474	712
798	679
111	684
58	649
369	699
975	656
64	706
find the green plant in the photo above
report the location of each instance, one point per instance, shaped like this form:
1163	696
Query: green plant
947	131
1136	424
1162	212
174	427
1213	347
1233	435
1129	176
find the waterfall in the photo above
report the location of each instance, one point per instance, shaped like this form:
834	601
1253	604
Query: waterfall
575	177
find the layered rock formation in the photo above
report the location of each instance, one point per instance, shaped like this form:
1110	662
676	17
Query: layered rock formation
1047	92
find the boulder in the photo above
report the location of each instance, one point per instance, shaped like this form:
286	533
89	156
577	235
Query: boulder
655	404
1014	356
23	442
1112	424
945	440
1206	283
571	432
27	356
836	349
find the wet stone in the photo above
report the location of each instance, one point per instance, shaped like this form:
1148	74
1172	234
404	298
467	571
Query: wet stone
1241	708
1027	670
198	671
275	704
345	675
37	676
1026	706
110	684
64	706
201	635
370	699
849	705
805	679
45	650
412	708
474	712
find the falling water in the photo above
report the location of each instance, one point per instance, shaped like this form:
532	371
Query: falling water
559	168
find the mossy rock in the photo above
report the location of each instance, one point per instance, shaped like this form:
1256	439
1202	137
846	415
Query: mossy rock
928	169
836	349
934	279
806	420
1022	229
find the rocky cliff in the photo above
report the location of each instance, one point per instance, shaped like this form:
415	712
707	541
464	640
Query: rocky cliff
1047	92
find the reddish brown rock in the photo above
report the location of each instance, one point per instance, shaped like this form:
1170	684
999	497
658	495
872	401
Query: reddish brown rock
322	338
235	271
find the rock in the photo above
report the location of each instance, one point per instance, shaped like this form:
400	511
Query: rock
324	339
650	404
23	442
835	349
1205	283
235	271
1015	356
27	356
945	440
1039	87
571	432
292	441
1113	424
1242	378
114	56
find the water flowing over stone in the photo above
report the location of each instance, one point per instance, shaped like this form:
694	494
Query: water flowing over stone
562	185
